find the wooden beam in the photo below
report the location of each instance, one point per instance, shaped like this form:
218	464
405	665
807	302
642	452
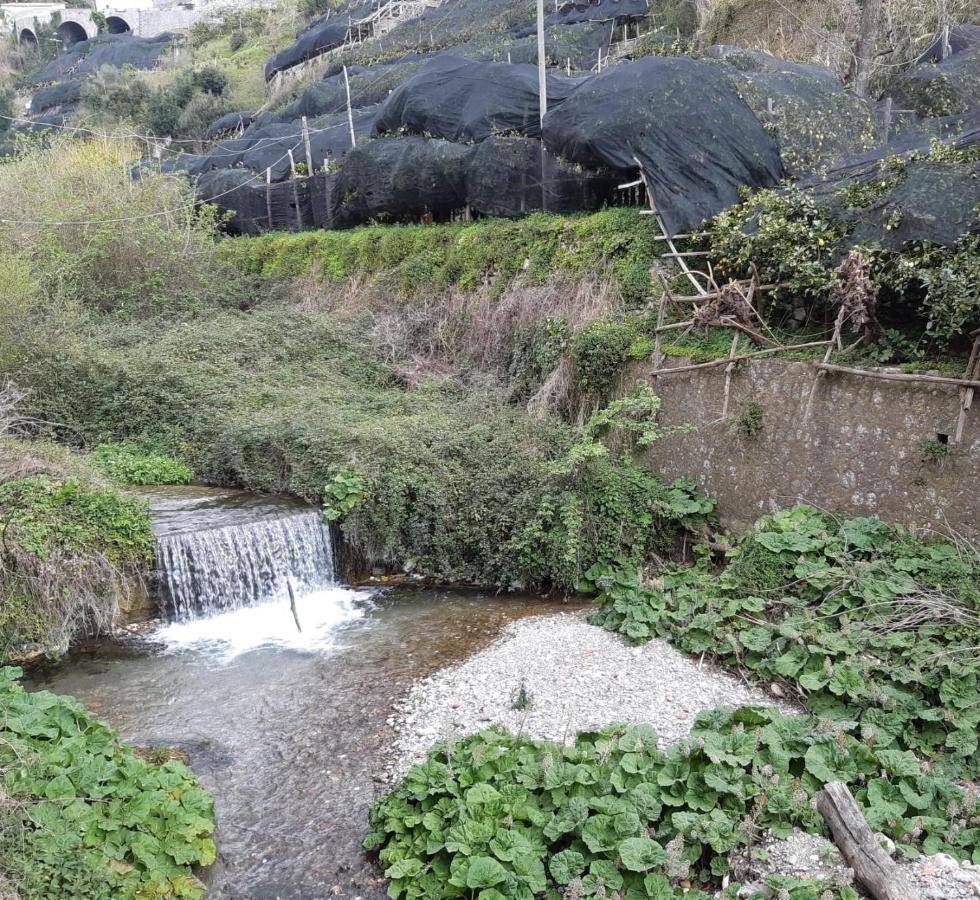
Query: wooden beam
897	376
873	868
725	360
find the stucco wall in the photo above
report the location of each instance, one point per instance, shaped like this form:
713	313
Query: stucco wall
860	453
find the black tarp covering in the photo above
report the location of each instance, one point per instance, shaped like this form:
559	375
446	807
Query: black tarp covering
391	179
601	11
251	201
228	124
929	200
267	146
961	37
697	141
814	120
119	50
465	100
55	95
504	178
947	88
324	34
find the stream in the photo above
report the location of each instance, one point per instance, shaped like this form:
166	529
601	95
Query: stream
286	727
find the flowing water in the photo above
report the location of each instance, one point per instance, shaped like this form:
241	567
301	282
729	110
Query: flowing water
287	727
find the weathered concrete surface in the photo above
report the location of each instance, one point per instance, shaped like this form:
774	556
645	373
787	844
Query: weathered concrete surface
862	452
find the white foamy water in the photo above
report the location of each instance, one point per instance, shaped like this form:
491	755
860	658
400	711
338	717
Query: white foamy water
225	635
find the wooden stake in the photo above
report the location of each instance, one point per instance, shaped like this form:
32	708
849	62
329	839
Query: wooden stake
350	114
873	868
729	372
966	394
292	604
726	359
268	195
309	149
662	309
834	342
542	77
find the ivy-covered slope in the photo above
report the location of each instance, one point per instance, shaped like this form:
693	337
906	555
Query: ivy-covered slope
875	630
72	544
82	816
866	623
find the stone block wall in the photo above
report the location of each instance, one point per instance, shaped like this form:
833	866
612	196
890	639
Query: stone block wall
871	447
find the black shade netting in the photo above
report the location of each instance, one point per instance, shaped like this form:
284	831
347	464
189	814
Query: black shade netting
576	11
318	37
465	100
252	207
680	119
397	179
55	95
888	206
960	37
229	123
508	176
118	50
806	109
947	88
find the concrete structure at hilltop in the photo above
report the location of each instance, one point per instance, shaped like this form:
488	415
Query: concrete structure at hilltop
140	17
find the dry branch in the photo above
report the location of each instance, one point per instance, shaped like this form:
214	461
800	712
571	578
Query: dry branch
897	376
872	867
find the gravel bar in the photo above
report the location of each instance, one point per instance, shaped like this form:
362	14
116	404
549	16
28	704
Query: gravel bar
576	677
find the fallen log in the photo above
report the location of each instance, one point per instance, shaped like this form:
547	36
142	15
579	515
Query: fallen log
873	868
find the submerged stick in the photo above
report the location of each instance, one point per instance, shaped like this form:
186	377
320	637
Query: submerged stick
292	604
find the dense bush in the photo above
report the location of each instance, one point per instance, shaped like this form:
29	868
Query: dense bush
131	463
68	550
866	623
83	817
179	109
498	816
796	239
612	244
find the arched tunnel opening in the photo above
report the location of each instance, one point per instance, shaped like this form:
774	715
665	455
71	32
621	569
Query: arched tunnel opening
71	33
27	37
117	25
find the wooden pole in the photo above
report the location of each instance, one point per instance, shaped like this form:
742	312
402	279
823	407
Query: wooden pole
292	604
966	394
661	311
309	149
725	360
873	868
350	114
821	374
729	372
542	77
898	376
268	195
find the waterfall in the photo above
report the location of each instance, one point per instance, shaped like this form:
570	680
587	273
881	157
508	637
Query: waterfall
219	569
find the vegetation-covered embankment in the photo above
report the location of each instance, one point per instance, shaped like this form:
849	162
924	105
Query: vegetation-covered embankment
391	378
84	816
872	628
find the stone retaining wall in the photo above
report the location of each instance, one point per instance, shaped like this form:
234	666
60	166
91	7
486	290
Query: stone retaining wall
871	447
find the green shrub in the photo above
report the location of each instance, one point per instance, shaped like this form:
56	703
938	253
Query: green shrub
600	349
870	625
68	550
130	463
507	817
83	817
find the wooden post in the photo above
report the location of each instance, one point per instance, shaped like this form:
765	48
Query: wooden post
268	195
661	311
729	372
292	604
873	868
822	373
350	114
888	119
966	394
568	66
309	149
542	76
